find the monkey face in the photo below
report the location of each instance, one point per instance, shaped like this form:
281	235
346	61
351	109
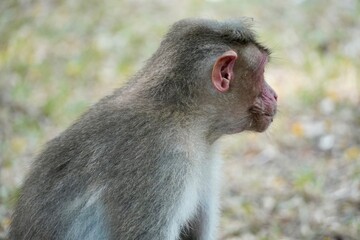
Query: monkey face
263	107
241	75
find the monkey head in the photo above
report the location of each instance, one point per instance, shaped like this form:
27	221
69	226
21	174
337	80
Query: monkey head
212	72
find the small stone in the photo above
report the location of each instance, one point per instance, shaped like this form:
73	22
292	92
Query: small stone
327	142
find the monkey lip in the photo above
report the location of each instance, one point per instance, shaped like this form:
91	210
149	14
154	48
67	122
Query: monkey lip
269	116
263	115
262	120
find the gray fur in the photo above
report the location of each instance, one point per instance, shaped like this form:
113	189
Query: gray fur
90	223
121	170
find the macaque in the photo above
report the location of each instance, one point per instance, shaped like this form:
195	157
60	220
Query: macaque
138	164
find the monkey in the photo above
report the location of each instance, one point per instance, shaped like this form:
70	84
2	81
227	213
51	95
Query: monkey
138	164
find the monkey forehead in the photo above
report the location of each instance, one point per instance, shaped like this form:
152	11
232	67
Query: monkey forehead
253	57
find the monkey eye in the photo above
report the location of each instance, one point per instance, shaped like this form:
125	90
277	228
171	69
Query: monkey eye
263	70
261	75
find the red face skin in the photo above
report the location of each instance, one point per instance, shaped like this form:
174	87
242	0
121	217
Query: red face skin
263	108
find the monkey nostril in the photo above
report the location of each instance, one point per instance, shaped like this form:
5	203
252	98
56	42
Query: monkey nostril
275	96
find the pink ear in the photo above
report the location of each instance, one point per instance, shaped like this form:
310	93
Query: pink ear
223	71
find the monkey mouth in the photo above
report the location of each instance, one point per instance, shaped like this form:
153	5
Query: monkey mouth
269	116
259	113
266	118
263	113
261	120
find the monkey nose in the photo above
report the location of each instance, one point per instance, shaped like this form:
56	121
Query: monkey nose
275	96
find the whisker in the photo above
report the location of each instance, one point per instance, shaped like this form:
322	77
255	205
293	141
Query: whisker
269	136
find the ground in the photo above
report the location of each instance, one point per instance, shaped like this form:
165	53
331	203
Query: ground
299	180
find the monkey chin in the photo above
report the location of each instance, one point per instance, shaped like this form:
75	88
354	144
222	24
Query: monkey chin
261	123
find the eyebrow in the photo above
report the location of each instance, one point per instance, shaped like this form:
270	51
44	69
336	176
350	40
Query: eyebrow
265	50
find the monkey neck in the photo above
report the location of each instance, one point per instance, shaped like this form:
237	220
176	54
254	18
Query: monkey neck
173	108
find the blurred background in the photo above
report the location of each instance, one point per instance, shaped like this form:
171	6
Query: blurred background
299	180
